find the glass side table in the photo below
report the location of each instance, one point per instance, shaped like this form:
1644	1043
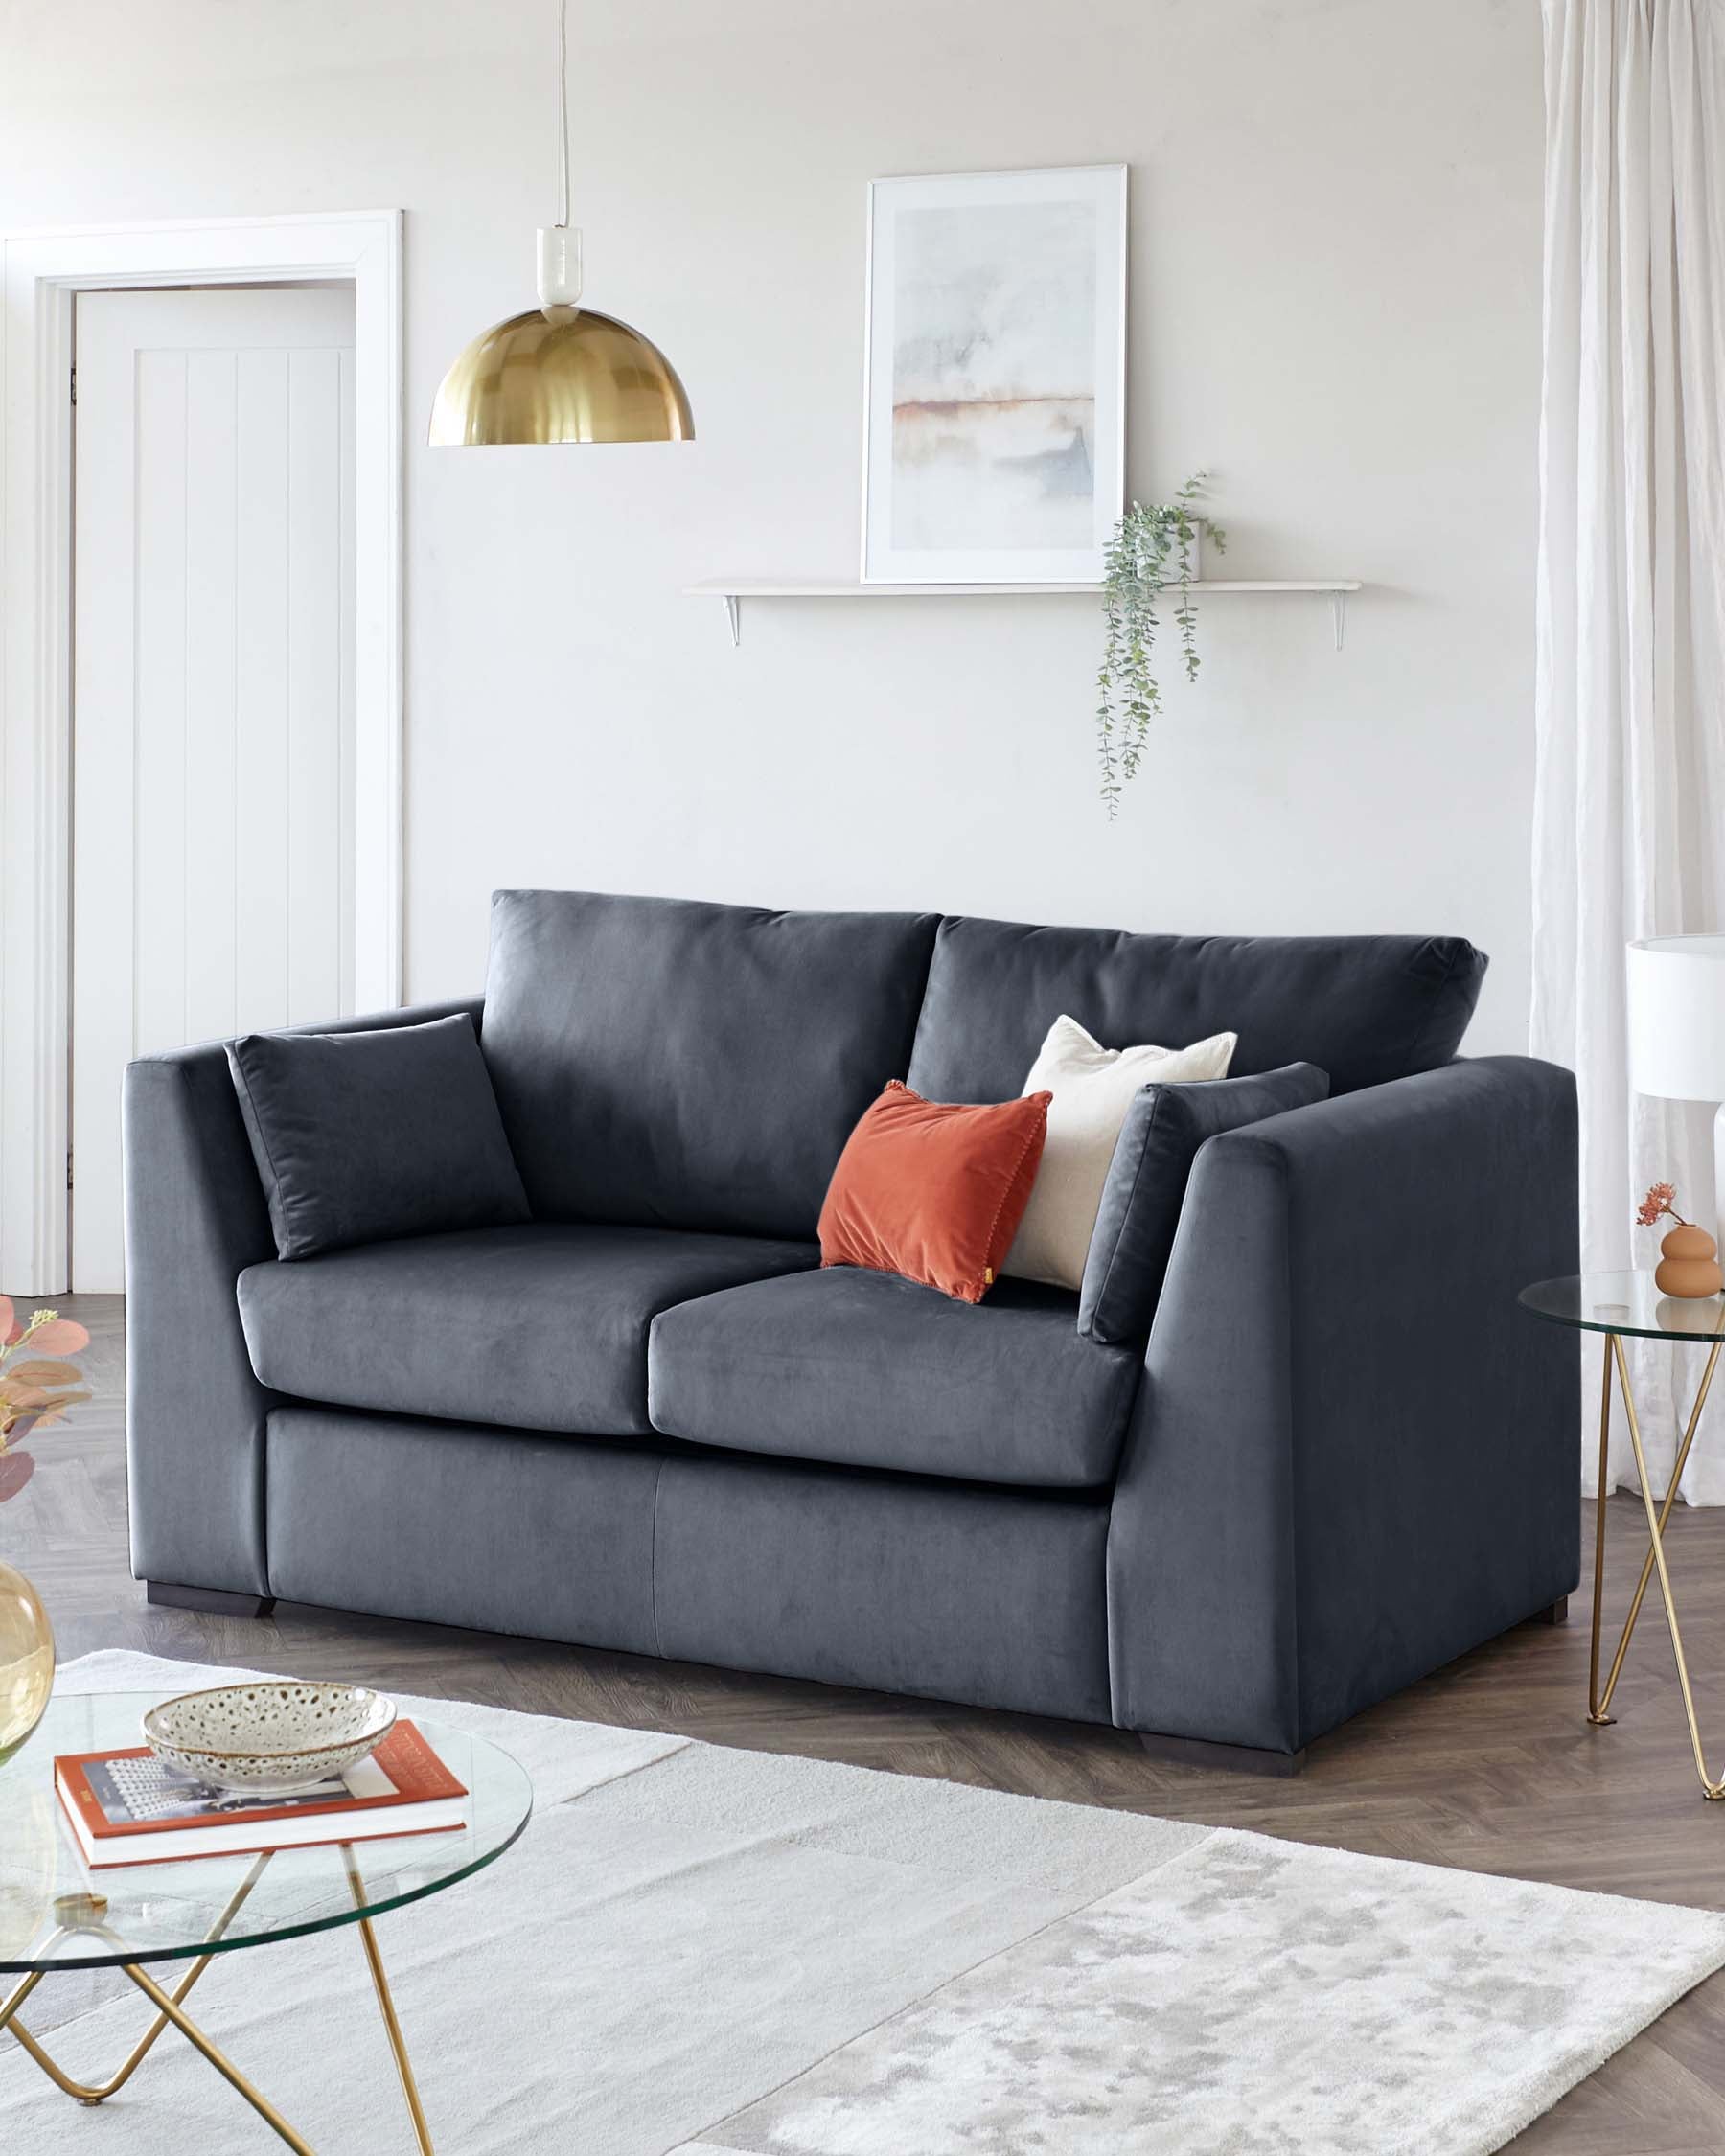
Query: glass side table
55	1913
1628	1306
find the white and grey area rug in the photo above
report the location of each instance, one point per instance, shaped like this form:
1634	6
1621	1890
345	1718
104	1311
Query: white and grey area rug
695	1951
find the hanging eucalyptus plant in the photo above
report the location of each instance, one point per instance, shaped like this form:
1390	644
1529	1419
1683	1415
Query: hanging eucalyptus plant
1151	548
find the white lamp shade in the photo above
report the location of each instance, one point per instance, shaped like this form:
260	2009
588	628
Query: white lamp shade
1677	1017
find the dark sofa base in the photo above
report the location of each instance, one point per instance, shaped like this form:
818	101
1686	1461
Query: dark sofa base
1170	1751
214	1601
986	1597
936	1589
1226	1759
1198	1752
968	1593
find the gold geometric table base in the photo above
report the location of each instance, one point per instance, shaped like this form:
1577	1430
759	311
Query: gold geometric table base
82	1914
1598	1703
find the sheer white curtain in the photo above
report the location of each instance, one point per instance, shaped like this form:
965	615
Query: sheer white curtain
1629	819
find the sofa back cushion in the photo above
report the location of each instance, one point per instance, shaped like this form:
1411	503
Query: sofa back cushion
679	1065
1364	1008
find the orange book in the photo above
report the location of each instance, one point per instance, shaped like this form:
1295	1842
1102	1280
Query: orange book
128	1807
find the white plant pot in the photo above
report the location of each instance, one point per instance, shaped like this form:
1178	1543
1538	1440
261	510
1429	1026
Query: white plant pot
1171	571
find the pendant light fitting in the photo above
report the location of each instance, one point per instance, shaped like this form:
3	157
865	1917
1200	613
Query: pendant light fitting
561	372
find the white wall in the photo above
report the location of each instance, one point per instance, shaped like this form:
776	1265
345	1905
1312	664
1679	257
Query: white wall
1334	306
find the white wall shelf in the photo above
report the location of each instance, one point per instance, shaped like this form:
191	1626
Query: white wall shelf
733	591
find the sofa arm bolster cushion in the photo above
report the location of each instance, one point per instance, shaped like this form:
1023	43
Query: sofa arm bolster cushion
1164	1127
362	1136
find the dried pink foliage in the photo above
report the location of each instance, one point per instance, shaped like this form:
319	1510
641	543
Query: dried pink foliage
36	1390
59	1336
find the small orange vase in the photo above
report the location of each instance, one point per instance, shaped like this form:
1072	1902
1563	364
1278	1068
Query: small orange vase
1690	1266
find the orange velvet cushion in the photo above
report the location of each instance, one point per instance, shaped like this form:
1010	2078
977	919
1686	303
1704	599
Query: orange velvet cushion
932	1189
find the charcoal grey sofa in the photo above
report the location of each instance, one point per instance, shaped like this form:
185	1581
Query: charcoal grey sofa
646	1421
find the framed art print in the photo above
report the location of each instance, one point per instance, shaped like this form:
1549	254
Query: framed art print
995	402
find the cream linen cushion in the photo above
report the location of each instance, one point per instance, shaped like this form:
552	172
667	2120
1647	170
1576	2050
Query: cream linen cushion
1092	1089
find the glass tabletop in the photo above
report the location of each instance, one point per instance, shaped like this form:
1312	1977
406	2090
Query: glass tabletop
170	1911
1624	1302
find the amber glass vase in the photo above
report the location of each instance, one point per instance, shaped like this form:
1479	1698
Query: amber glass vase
26	1661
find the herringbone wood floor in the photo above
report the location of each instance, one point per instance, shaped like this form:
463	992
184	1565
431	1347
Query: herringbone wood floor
1489	1765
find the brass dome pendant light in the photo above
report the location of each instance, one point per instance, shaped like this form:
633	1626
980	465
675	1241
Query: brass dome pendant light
561	372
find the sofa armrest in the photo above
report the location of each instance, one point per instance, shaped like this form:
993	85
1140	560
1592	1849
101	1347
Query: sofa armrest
196	1218
1352	1457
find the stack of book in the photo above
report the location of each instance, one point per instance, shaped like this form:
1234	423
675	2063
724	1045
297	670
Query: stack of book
128	1808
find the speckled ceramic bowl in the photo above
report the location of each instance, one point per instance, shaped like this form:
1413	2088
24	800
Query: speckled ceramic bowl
268	1739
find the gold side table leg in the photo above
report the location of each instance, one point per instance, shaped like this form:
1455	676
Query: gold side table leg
9	2007
169	2008
1595	1707
1714	1790
218	2059
1599	1706
386	2005
100	2092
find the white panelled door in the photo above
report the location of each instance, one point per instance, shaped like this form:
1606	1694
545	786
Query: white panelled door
212	692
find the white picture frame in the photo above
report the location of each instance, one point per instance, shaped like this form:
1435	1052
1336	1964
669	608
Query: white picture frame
995	378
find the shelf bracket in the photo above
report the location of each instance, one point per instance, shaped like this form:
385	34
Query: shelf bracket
1339	615
734	614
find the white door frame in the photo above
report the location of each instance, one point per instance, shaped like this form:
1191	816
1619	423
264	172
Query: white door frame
42	273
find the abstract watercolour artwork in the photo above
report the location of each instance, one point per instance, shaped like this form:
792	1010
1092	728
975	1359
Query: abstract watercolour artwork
995	375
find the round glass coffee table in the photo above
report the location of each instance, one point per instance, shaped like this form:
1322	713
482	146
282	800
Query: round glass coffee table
1629	1306
57	1915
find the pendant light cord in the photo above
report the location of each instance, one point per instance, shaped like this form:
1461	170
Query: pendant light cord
563	111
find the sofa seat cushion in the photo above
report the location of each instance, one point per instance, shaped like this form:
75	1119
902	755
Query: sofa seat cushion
864	1369
538	1327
